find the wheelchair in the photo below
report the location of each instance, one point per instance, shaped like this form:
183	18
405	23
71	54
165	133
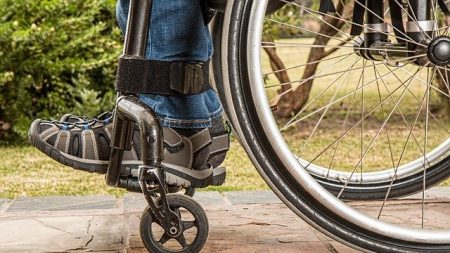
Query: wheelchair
405	40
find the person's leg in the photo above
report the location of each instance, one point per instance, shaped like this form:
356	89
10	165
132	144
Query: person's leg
177	33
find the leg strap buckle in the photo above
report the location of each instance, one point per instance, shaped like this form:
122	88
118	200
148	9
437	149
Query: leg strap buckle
187	78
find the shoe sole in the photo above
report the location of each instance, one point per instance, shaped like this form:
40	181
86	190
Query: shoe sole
175	175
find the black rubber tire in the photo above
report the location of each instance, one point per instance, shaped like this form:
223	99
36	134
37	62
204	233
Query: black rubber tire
354	191
176	200
271	166
400	187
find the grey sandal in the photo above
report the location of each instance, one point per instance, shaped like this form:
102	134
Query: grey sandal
84	145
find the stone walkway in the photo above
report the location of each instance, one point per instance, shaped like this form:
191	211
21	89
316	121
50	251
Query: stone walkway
239	222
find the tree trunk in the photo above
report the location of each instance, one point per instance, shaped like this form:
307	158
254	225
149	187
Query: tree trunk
278	67
292	99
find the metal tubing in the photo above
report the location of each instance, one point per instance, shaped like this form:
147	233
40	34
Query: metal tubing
129	111
420	10
389	52
375	7
137	28
375	21
132	109
419	17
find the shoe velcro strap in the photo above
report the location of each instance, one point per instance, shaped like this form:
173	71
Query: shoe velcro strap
142	76
220	144
200	140
171	137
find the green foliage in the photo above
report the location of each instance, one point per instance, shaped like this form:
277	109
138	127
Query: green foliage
276	28
56	56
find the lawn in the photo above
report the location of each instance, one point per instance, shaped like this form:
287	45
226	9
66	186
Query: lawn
25	171
383	138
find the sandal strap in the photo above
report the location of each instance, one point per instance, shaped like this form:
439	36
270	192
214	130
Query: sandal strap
171	137
200	140
220	144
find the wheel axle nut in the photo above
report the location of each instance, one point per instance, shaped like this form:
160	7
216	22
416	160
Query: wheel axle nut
173	230
439	51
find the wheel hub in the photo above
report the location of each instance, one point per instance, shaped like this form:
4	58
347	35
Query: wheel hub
439	51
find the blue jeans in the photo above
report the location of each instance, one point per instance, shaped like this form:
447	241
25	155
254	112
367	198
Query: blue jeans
178	33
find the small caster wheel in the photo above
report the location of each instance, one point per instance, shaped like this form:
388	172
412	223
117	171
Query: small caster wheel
189	191
195	228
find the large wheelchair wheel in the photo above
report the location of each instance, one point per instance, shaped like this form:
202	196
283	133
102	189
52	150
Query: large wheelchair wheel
352	134
282	150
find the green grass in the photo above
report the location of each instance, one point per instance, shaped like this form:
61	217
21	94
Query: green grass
24	171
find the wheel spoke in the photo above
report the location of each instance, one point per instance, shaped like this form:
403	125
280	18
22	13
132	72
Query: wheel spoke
443	126
182	240
302	81
376	73
427	95
188	224
164	238
376	136
401	157
361	134
312	12
308	30
295	119
308	63
401	114
271	44
342	130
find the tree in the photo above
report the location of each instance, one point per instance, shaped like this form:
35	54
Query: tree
56	56
292	99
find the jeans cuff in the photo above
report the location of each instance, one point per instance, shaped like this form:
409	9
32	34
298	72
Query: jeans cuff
190	123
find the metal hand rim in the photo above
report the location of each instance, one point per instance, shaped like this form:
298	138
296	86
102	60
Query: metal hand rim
297	170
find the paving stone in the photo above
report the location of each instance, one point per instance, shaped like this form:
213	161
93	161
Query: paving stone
209	198
134	201
249	228
341	248
252	197
61	234
3	203
22	204
240	226
433	193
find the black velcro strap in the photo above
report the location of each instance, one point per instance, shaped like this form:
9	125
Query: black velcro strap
358	17
208	13
137	75
444	7
397	20
327	6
